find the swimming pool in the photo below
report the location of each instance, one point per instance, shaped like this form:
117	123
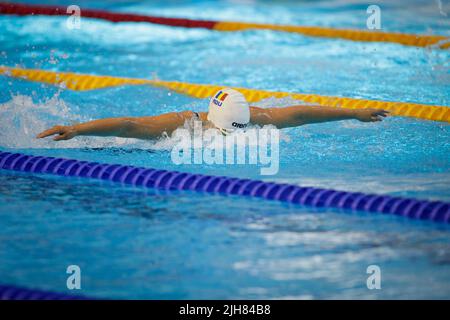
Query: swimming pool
134	243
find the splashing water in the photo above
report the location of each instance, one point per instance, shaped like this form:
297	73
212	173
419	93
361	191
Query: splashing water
24	119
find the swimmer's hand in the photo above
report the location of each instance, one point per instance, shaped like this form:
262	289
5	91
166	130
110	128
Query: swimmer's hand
370	115
62	133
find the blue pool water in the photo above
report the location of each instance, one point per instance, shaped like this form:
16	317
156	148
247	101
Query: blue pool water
134	243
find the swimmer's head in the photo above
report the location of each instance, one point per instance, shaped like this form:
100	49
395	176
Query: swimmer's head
229	110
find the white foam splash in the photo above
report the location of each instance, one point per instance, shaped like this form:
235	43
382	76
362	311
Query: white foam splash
168	142
21	120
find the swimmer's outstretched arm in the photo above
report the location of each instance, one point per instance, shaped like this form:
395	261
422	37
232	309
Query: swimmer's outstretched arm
129	127
294	116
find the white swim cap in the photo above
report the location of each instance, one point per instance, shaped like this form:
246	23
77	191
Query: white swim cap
229	110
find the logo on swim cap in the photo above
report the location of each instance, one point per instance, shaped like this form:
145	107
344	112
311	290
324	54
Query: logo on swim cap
219	98
228	109
238	125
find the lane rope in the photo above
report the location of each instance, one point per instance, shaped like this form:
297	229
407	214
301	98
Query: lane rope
75	81
437	211
324	32
9	292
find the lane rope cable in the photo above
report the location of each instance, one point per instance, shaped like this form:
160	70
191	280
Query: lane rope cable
437	211
436	41
76	81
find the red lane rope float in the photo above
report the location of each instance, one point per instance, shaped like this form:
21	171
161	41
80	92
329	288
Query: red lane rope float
312	31
24	10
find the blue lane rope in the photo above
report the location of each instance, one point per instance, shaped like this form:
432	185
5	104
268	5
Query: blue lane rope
163	179
8	292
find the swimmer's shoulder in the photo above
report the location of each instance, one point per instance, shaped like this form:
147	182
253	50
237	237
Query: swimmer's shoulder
260	116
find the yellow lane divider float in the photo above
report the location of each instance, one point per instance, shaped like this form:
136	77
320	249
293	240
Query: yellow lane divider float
348	34
75	81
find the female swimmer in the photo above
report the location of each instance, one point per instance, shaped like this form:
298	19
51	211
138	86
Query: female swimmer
228	111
